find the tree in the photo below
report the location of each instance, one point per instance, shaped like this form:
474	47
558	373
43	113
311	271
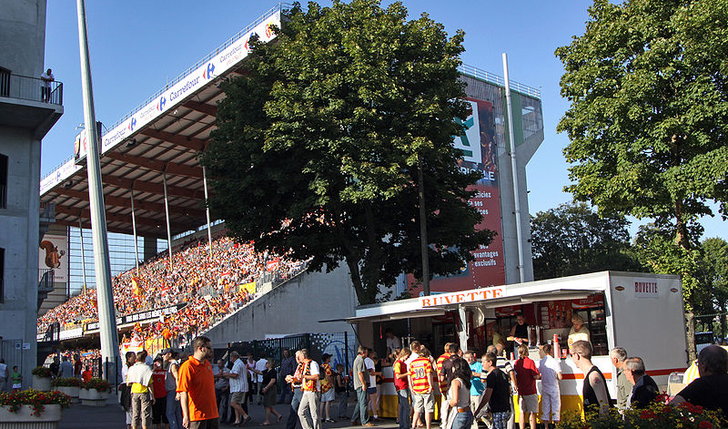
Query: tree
572	239
713	273
318	144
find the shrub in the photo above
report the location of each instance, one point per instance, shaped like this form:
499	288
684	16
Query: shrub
41	371
97	383
66	382
36	398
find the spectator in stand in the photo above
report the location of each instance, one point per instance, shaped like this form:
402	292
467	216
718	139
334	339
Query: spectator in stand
644	389
197	388
159	409
710	391
526	376
550	370
288	367
401	375
139	378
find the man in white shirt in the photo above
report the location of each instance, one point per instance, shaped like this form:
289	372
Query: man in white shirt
238	388
550	370
3	374
139	378
310	399
393	343
259	368
47	78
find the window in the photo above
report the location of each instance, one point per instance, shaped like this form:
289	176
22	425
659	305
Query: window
3	181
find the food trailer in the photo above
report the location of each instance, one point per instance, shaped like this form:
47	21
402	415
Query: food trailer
641	312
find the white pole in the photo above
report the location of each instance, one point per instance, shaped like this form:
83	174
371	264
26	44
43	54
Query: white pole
133	227
83	256
166	214
104	292
207	211
514	171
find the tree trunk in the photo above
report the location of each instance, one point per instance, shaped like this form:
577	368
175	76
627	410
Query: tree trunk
690	324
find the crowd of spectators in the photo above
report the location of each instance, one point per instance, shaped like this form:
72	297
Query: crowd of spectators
209	280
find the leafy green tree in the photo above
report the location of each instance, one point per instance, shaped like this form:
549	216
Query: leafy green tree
320	140
713	274
572	239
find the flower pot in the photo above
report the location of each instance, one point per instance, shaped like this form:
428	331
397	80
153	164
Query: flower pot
71	391
24	417
92	397
41	383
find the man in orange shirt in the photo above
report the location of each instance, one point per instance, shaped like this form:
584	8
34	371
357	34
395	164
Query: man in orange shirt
196	387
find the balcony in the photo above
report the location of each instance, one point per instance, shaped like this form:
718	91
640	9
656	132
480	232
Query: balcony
29	103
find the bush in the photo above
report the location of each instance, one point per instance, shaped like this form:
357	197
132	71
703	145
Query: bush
66	382
36	398
97	383
658	415
41	371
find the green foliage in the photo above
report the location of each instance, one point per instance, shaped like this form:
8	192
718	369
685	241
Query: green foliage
648	122
319	142
41	371
66	382
572	239
97	383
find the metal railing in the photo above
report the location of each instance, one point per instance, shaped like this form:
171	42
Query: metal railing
30	88
498	80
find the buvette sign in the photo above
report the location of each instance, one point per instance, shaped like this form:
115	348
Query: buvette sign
462	297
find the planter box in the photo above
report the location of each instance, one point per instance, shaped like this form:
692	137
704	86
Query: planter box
92	397
71	391
24	418
41	383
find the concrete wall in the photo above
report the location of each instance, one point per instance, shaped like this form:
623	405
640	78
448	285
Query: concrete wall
22	36
297	306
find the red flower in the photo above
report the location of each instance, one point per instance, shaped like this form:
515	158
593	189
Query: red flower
648	414
705	425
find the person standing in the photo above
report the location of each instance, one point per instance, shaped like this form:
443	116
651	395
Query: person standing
78	366
461	415
269	393
644	389
4	373
401	374
295	382
139	378
327	388
595	391
578	331
550	370
238	388
710	391
222	390
173	408
342	390
372	385
55	367
393	343
618	355
526	376
197	388
16	378
497	393
476	383
288	367
66	368
311	388
361	375
519	333
422	381
45	88
259	368
125	389
159	409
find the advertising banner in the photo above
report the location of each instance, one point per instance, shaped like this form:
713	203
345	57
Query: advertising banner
52	255
248	287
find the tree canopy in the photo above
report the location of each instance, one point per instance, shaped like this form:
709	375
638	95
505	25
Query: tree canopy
572	239
319	143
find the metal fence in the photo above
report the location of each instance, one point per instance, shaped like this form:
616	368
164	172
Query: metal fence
30	88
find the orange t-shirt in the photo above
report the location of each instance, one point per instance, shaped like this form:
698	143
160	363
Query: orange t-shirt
420	370
196	379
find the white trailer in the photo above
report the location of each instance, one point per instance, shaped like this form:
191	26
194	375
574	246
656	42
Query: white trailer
641	312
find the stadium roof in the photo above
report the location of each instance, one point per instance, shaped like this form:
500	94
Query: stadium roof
161	140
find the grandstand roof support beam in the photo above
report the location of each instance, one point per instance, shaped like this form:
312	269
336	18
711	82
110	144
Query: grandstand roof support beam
110	217
205	108
123	202
152	188
188	142
166	212
169	167
87	225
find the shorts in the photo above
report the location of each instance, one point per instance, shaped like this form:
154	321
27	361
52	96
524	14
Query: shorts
206	424
328	396
500	419
371	390
269	397
528	403
550	406
237	397
423	402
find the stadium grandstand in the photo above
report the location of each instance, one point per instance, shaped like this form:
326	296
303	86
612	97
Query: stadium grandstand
155	189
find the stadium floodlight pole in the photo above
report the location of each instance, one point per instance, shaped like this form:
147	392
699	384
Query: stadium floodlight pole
83	259
166	215
133	228
104	292
207	211
514	170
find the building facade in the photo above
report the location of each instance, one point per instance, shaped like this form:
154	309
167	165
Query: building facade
29	107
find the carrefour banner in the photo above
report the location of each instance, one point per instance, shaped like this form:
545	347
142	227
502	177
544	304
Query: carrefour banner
173	96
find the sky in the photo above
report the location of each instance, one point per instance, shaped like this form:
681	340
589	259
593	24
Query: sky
137	46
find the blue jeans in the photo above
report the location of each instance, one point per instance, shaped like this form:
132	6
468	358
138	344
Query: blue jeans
173	412
462	420
403	409
293	413
360	409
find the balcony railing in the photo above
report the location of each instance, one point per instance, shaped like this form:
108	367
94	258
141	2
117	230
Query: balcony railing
30	88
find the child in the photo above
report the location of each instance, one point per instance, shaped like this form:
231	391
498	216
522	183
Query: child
17	379
342	381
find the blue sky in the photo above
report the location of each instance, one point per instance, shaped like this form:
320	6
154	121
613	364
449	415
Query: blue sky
137	46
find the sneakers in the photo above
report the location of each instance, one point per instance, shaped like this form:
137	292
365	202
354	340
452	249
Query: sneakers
330	420
369	425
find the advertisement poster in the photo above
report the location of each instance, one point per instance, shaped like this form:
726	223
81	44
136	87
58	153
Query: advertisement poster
478	147
53	255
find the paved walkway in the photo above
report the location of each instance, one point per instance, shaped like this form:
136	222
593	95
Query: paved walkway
112	417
